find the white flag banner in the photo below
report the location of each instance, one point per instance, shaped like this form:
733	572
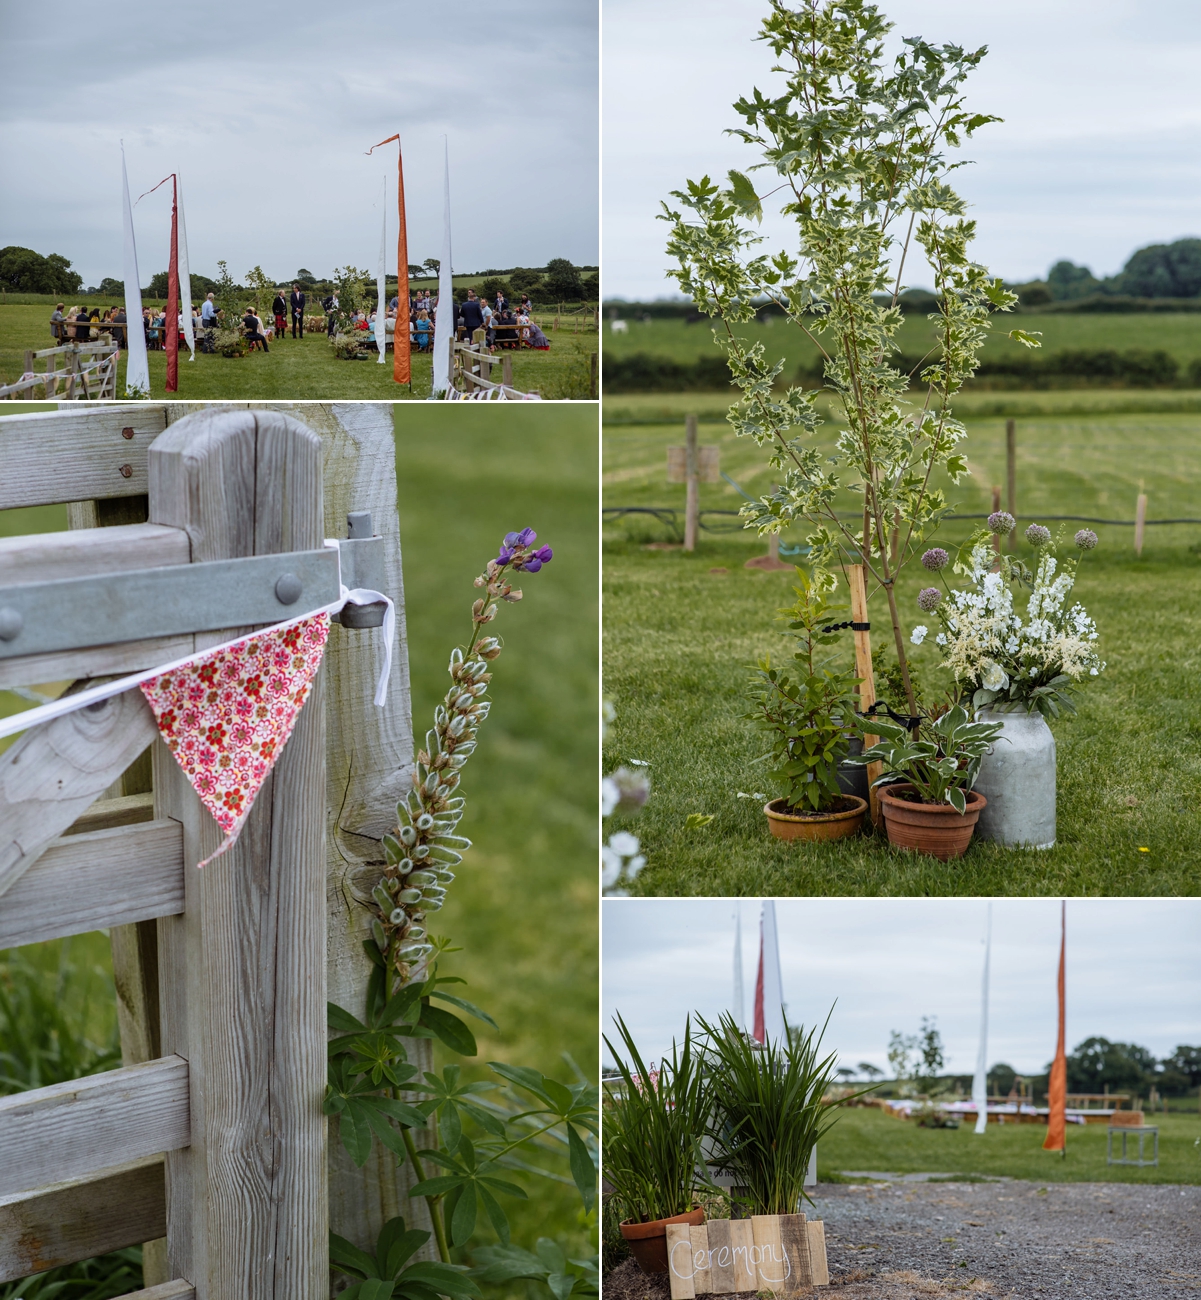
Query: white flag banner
773	988
137	368
444	324
739	1010
185	279
381	287
980	1079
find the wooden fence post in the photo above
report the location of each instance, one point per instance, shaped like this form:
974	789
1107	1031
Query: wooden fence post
863	668
692	498
1011	476
1140	522
369	753
996	537
242	1000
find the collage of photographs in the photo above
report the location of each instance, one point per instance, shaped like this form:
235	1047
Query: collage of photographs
722	821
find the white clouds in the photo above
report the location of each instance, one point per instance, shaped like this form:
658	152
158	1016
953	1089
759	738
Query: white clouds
1097	154
1134	970
268	117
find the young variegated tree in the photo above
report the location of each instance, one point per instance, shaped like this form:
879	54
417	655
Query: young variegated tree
856	148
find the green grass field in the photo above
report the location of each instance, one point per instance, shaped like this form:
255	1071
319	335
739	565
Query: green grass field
866	1139
681	632
524	907
1178	333
307	368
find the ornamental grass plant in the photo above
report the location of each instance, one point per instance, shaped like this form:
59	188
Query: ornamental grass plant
650	1140
767	1111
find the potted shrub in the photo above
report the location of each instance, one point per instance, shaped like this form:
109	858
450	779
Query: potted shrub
650	1144
767	1112
926	789
808	714
1018	671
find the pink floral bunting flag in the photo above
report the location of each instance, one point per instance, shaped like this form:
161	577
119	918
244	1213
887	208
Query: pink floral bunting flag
227	714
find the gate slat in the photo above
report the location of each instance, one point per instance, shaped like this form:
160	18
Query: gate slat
97	880
82	1220
96	661
64	456
51	775
177	1290
88	552
83	1126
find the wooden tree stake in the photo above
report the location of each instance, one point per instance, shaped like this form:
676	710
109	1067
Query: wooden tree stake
1140	521
1011	476
692	501
996	537
863	669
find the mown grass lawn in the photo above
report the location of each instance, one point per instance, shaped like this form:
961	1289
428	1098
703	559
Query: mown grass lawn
1177	333
523	909
865	1139
682	631
307	368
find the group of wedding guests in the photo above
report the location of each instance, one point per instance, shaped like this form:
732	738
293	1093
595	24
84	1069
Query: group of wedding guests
504	325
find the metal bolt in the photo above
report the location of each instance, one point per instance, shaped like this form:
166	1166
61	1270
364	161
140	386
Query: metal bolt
288	589
127	433
126	471
11	624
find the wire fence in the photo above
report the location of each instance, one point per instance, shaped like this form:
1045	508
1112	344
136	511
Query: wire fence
669	515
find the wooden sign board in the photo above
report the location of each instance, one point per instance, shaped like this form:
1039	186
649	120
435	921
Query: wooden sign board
780	1253
708	464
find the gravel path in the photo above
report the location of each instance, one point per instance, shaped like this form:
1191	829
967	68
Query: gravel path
1094	1241
1006	1240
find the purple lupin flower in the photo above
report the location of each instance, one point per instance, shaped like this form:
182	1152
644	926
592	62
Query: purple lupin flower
545	554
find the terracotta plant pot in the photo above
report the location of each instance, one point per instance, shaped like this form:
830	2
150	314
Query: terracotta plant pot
648	1241
934	828
815	826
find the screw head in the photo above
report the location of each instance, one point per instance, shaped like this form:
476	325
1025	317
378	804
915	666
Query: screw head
288	589
126	471
127	433
11	623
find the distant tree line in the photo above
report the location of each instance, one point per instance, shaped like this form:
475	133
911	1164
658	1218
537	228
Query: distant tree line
24	271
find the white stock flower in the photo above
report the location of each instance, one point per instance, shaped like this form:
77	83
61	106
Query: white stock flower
994	677
610	796
624	843
919	634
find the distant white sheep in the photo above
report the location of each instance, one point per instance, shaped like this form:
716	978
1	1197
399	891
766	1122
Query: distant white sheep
619	326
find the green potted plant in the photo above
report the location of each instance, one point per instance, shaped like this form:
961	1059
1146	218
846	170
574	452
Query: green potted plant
650	1144
767	1112
809	715
926	788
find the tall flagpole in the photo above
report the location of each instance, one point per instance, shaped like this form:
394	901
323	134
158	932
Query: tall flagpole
171	324
137	369
402	362
185	279
980	1081
739	1010
381	286
444	324
773	988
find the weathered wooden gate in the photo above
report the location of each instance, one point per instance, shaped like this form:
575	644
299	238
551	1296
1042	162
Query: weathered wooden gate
211	1135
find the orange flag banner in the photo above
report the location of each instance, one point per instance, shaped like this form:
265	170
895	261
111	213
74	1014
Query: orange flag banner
402	370
1057	1093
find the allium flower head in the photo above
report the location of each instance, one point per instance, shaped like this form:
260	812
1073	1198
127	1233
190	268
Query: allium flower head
1001	522
1037	535
1086	539
935	558
928	598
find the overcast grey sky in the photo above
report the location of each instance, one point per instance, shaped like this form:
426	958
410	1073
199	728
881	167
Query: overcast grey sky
1098	154
266	112
1133	971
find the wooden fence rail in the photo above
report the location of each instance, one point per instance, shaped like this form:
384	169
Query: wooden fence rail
211	1135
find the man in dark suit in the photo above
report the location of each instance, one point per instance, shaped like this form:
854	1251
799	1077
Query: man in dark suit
297	301
471	314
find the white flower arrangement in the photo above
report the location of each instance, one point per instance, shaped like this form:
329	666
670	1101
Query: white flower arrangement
1003	658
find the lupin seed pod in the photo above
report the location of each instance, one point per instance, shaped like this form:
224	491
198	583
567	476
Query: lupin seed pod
409	896
416	932
398	916
393	849
377	933
444	876
408	835
421	878
405	865
383	898
424	822
421	851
